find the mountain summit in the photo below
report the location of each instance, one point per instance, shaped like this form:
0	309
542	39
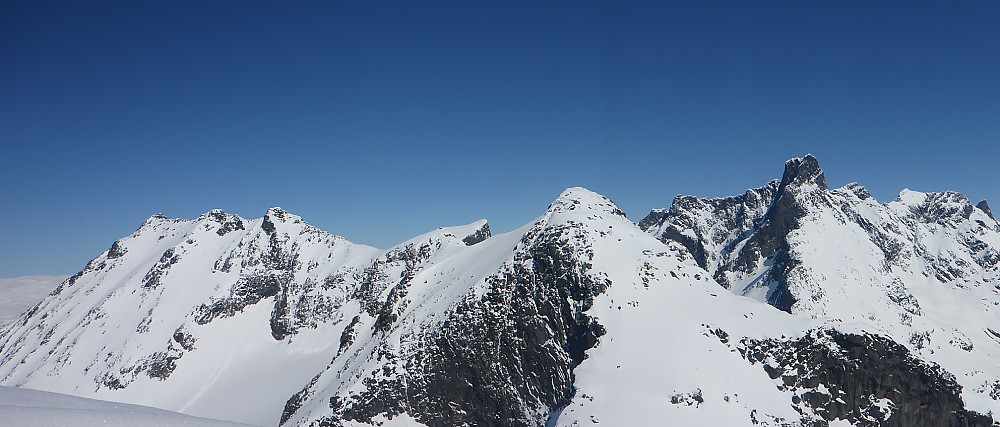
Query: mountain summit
803	171
791	304
839	254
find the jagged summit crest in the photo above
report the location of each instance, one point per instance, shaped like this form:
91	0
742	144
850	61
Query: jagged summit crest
157	217
276	212
803	171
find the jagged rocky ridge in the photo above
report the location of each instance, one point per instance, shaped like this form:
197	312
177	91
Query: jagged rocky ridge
578	317
837	253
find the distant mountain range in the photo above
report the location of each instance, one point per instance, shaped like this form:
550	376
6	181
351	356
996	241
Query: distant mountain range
21	293
791	304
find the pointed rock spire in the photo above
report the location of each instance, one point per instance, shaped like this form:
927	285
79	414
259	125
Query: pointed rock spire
803	171
985	207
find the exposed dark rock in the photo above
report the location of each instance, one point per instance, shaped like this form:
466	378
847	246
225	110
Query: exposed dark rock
350	333
779	296
66	283
161	364
111	382
506	359
370	283
247	291
278	257
227	222
803	171
845	376
374	281
295	402
767	239
728	219
117	250
300	305
185	339
480	235
387	314
155	274
267	225
693	398
985	207
943	208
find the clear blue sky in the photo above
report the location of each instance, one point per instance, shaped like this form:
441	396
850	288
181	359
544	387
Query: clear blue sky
381	120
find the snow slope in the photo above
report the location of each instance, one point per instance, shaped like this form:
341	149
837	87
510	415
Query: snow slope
32	408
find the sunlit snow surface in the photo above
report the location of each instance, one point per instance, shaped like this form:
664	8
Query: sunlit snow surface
31	408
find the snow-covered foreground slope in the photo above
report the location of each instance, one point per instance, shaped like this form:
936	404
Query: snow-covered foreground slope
18	294
576	318
31	408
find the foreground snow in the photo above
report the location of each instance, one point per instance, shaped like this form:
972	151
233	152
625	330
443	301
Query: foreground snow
29	408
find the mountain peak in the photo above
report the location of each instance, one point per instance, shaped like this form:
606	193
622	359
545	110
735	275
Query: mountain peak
277	215
153	221
803	171
985	207
277	211
575	198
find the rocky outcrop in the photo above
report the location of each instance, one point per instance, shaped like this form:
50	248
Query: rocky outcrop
711	228
503	359
731	237
985	207
481	234
866	379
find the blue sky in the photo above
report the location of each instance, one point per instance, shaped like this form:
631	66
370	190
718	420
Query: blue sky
382	120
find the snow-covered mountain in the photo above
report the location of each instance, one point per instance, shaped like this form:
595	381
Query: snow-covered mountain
923	270
578	317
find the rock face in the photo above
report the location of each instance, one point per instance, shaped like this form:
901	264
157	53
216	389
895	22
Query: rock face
865	379
501	355
732	236
985	207
711	228
577	318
